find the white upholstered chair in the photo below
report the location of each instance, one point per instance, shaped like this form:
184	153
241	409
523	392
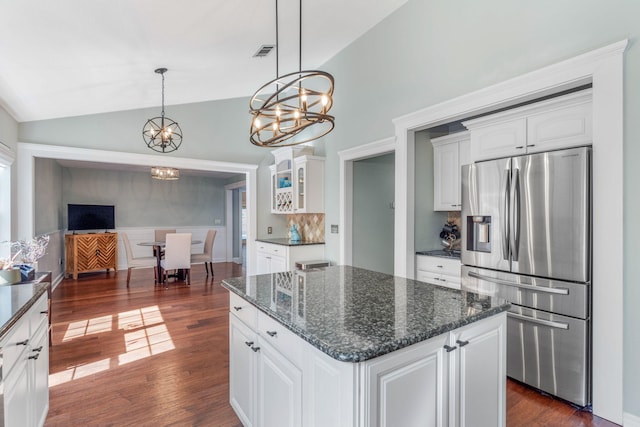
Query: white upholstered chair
161	236
139	262
177	255
207	256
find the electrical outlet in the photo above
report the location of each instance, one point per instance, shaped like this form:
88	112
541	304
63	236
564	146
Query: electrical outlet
334	228
269	230
217	221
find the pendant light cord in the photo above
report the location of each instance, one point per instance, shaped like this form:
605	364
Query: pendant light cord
300	39
277	43
163	95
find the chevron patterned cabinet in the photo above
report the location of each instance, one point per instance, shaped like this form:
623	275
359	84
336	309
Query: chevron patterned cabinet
90	252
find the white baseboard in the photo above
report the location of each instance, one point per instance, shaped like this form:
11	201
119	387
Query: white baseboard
629	420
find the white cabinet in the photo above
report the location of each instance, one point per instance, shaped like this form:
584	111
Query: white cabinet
309	188
556	123
409	387
277	379
242	371
274	258
25	368
477	368
438	270
297	181
265	386
279	389
456	379
449	154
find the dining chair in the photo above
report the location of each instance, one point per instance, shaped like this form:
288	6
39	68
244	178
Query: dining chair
160	235
136	262
177	256
207	256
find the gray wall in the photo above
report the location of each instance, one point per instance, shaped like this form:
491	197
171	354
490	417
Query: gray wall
427	52
9	137
428	222
373	191
145	202
48	196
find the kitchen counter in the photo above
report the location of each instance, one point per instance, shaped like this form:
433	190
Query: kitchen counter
16	300
353	315
455	254
286	242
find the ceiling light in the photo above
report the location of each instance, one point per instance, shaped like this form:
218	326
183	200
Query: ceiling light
164	173
293	108
161	133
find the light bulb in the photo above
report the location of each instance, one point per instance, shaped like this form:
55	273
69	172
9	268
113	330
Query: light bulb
257	123
324	99
278	112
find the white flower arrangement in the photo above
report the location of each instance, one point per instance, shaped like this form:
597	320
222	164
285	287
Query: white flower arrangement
29	251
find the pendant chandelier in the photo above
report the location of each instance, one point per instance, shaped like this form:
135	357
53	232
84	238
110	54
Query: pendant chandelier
165	173
161	133
292	109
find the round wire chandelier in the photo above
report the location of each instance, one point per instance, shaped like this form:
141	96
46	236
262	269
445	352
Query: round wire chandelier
162	134
292	109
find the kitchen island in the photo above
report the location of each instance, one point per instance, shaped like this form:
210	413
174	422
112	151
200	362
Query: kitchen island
343	346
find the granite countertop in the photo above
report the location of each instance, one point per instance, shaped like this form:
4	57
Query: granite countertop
286	242
16	300
353	314
441	253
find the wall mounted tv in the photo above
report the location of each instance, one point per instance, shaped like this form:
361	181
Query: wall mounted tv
90	217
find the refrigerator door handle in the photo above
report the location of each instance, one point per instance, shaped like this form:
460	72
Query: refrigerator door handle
555	291
549	323
504	215
515	215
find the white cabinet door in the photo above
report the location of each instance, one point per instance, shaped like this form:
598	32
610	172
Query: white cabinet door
408	388
279	389
16	397
479	374
39	371
263	263
446	177
242	370
278	264
499	140
564	127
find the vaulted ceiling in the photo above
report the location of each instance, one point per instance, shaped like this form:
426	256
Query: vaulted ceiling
75	57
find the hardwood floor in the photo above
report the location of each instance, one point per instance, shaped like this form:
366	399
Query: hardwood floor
147	356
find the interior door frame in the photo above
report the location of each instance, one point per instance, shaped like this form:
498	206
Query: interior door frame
229	218
347	157
28	152
603	68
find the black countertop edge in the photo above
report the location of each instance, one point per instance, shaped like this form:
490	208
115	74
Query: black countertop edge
441	253
38	290
366	354
286	242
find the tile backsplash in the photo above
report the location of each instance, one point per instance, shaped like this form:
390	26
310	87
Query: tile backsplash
310	226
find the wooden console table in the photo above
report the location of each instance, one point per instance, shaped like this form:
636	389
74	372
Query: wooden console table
90	252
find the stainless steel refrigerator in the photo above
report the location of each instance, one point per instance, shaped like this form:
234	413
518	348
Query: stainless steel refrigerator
526	227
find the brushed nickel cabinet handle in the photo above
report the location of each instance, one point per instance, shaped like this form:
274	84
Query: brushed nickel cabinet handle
255	349
272	333
462	343
236	308
449	348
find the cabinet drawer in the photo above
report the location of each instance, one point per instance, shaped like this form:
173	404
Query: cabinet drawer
38	314
277	250
243	310
439	279
438	265
279	337
14	344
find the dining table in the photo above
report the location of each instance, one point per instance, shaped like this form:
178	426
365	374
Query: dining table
158	250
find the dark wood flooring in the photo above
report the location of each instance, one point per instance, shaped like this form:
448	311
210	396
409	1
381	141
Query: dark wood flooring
148	356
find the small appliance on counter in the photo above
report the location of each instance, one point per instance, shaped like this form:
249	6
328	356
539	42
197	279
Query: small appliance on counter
450	236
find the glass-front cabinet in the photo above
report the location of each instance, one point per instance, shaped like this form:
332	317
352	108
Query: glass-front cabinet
297	181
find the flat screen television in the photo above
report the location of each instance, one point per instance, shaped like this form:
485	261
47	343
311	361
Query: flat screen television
90	217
